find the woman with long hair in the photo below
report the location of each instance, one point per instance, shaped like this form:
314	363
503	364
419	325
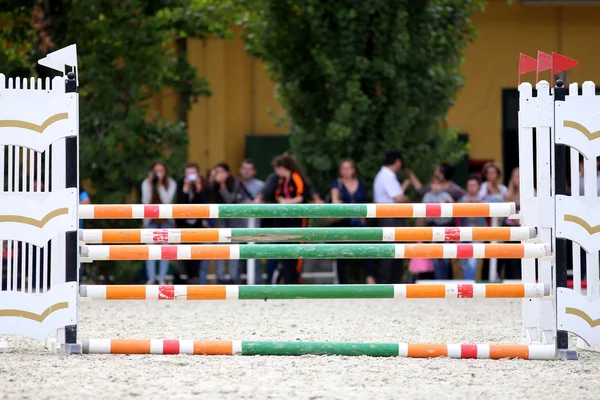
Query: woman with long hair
158	188
347	188
291	188
492	190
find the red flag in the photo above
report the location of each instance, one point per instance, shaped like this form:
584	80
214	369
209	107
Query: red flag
561	63
544	63
526	64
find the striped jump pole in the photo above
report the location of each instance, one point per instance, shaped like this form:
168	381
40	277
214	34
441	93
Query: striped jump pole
417	210
297	292
272	348
311	251
441	234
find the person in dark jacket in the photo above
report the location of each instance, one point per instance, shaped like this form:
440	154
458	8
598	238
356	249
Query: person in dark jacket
226	189
191	189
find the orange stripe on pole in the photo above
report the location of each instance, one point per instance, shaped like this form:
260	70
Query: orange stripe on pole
489	234
421	234
510	290
470	210
213	347
424	251
199	236
121	236
498	351
218	292
118	346
133	292
425	291
504	251
140	252
191	211
214	252
417	350
113	211
394	211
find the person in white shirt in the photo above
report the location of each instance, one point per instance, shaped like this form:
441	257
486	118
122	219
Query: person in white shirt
387	189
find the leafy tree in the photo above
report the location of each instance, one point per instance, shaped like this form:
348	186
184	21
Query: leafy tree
129	53
361	77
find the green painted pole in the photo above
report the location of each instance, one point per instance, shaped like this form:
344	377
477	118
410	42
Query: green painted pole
319	348
306	234
289	292
292	210
281	251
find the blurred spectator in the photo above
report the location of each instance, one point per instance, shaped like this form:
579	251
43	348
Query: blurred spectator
267	195
290	189
444	172
387	189
251	188
469	265
582	179
226	189
347	188
191	190
512	267
158	188
441	266
420	268
492	190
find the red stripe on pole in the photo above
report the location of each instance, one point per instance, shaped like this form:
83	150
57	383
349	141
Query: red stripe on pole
452	234
151	211
464	251
468	351
171	347
465	291
166	292
168	252
433	210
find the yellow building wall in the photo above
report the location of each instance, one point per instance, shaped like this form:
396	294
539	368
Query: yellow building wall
491	62
243	94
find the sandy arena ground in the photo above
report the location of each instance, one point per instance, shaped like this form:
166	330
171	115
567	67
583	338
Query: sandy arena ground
27	371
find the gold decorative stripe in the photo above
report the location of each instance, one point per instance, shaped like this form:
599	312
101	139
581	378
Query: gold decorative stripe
33	316
583	315
32	221
11	123
582	223
578	127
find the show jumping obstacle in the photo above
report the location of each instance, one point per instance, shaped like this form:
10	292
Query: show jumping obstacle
253	348
466	234
39	228
323	251
292	292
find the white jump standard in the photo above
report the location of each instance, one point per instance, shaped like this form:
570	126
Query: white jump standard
39	298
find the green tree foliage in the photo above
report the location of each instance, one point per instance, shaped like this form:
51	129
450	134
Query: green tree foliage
361	77
129	53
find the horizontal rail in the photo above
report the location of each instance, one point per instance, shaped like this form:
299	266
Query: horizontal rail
417	210
296	292
311	251
272	348
441	234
